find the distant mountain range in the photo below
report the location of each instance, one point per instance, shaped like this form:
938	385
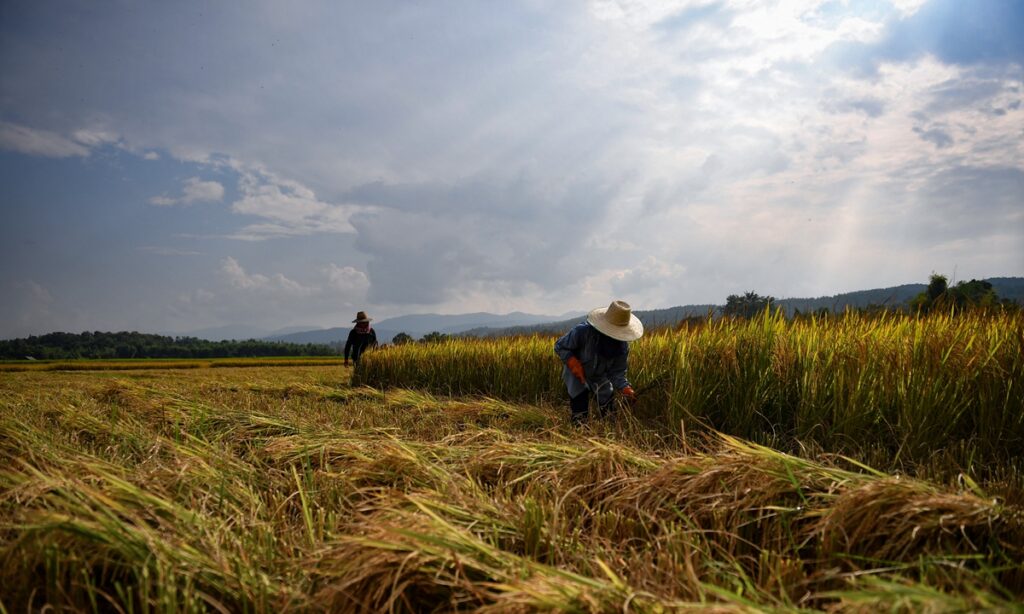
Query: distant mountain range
418	325
239	332
415	325
484	324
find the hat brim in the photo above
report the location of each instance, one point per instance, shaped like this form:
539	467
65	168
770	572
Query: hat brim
630	332
363	320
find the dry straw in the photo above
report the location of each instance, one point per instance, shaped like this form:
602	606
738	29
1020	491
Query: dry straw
279	490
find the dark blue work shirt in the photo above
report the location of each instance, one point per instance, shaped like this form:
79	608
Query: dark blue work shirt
604	373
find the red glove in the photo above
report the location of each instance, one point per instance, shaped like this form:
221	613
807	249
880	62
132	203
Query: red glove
576	367
629	393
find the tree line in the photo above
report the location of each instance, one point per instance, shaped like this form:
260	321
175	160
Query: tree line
431	337
141	345
939	296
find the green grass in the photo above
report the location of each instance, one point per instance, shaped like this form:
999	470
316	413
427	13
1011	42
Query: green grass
122	364
287	490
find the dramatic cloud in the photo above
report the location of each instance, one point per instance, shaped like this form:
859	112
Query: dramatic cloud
499	156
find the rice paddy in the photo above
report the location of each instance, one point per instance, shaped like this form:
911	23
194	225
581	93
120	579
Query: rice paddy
287	489
902	392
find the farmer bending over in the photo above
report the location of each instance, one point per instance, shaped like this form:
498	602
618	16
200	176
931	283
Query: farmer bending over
595	353
360	337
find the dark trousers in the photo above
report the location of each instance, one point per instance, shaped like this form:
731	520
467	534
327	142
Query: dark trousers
579	405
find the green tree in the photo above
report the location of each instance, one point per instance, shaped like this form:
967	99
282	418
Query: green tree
974	293
434	337
964	295
937	286
925	301
746	305
402	338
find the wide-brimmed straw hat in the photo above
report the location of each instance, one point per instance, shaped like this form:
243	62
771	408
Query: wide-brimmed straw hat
361	317
617	321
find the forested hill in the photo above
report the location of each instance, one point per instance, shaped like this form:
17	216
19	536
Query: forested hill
896	297
1011	288
141	345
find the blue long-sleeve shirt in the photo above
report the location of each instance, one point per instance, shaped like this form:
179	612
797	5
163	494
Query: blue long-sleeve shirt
581	341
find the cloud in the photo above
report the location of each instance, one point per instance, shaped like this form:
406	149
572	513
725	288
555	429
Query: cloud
95	137
955	32
347	280
869	106
974	203
715	14
28	307
651	274
199	191
35	142
274	300
968	91
168	251
478	234
936	136
50	144
290	208
198	298
255	282
195	190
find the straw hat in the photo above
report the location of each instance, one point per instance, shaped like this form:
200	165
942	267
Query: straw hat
617	321
361	317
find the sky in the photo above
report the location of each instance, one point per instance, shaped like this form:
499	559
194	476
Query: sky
173	166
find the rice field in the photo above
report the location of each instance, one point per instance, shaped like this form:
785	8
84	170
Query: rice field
940	393
287	489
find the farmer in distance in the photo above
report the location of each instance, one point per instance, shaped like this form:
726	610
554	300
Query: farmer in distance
596	354
360	337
